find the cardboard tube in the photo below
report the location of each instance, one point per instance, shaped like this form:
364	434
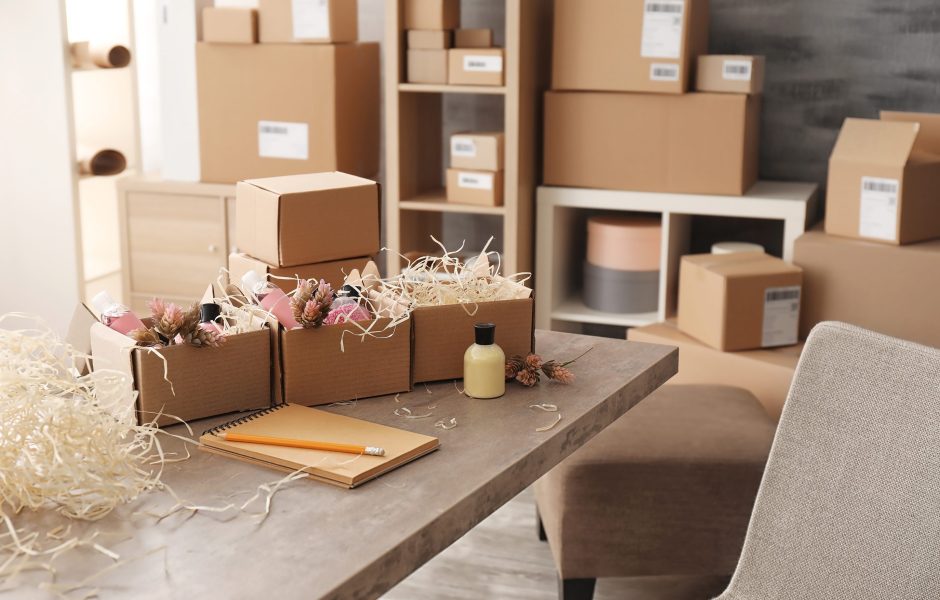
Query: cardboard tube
106	56
100	162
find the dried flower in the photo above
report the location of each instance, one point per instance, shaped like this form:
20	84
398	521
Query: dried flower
513	366
558	372
528	377
206	338
528	370
533	361
146	337
311	304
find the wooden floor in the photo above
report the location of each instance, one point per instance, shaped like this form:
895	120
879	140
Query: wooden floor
502	558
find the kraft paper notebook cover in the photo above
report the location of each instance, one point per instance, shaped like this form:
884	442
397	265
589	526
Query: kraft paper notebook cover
301	422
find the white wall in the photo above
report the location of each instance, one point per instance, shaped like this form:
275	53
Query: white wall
39	268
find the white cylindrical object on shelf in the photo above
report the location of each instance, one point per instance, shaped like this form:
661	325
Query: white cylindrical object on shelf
94	54
735	247
103	161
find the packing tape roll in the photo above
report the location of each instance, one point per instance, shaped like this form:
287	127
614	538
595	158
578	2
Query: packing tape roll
735	247
624	243
105	161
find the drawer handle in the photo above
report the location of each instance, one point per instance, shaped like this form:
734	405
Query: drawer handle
213	248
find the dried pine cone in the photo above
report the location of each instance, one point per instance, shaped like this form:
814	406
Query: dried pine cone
146	337
513	366
557	372
191	320
310	304
533	361
528	377
170	322
206	338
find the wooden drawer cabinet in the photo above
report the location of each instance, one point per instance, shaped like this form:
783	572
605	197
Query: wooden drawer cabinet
175	236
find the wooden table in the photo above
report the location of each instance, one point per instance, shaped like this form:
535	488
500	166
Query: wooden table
322	541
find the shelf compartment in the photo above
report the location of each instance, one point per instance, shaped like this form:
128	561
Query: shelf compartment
434	88
436	201
574	310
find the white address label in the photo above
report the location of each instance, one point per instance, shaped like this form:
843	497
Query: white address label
662	28
781	316
736	70
280	139
664	72
311	19
477	63
878	213
463	146
475	181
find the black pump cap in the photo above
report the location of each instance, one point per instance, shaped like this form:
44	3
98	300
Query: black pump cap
351	291
485	333
209	312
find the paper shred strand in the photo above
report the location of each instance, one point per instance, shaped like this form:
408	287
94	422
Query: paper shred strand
547	427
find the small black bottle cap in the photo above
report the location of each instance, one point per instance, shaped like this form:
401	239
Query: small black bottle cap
485	333
351	291
209	312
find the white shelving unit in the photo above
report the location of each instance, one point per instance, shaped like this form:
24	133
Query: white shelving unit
561	237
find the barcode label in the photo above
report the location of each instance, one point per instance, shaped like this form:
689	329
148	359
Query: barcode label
475	63
781	316
664	72
475	181
310	19
662	28
878	210
281	139
736	70
462	146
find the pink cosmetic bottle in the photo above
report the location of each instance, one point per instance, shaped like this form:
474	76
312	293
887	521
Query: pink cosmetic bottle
116	316
270	297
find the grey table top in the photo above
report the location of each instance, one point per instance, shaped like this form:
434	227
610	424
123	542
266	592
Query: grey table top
323	541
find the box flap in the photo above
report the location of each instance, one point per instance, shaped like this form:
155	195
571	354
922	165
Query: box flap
875	142
311	182
928	138
79	336
742	264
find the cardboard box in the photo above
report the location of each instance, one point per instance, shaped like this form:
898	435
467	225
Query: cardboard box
481	188
431	14
891	289
628	46
424	39
739	301
427	66
302	219
230	25
694	143
736	74
333	272
475	66
765	373
884	177
477	150
309	21
443	333
205	381
473	38
300	108
316	371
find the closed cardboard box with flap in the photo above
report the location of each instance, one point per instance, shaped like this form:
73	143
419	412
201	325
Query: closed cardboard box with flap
884	179
230	25
311	21
280	109
736	74
628	45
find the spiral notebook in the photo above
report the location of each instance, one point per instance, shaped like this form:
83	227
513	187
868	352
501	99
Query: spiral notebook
300	422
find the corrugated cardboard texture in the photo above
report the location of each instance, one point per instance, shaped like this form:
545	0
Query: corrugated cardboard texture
431	14
473	38
901	146
315	371
478	197
443	333
230	25
894	290
426	66
423	39
333	272
303	219
277	22
765	373
710	74
333	89
457	75
206	381
597	46
694	143
489	151
721	297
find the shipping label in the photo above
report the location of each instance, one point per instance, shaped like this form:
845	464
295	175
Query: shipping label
311	19
662	28
463	146
475	181
664	72
878	213
280	139
781	316
736	70
476	63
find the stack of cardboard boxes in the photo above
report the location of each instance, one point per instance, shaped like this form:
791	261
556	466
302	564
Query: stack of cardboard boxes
440	52
475	175
304	99
619	117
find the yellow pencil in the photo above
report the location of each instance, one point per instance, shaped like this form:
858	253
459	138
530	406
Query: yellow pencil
308	444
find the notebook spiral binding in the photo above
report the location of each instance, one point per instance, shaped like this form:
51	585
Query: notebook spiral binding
239	421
